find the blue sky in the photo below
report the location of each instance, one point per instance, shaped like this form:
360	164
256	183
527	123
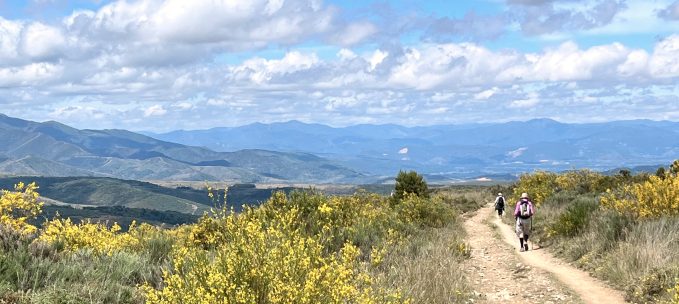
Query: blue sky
164	65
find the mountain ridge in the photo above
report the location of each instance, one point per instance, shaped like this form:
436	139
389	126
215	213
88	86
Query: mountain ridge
481	148
55	149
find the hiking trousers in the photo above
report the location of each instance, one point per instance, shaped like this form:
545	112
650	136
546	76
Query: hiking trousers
523	227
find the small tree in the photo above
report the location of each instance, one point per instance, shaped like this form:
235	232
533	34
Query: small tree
625	174
410	183
661	173
674	168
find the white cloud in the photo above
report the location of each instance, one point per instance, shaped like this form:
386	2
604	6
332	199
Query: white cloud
10	35
440	96
183	105
334	103
33	74
261	70
436	65
216	102
230	25
483	95
568	62
635	64
346	54
270	59
41	41
664	62
531	100
376	58
155	110
458	65
354	33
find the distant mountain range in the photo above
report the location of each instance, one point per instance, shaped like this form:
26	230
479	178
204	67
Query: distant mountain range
446	152
55	149
295	152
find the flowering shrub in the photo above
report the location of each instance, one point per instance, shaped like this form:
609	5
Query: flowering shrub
299	248
86	235
583	181
653	198
271	255
265	266
19	206
361	219
539	186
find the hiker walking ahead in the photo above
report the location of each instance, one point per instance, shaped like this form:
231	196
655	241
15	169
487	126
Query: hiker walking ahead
523	212
500	204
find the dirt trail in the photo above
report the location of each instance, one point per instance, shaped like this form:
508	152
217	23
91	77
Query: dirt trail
502	274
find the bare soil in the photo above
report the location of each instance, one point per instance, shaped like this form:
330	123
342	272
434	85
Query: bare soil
502	274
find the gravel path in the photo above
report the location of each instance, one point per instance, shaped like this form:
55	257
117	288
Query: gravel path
502	274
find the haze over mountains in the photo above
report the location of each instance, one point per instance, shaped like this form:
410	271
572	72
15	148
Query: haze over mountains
315	153
55	149
457	151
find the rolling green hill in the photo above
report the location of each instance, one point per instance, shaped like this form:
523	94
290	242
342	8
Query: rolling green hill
97	191
117	200
118	214
105	191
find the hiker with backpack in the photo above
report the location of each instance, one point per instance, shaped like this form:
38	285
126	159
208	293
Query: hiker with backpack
500	204
522	213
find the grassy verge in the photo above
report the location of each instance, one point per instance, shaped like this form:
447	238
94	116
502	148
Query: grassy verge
428	267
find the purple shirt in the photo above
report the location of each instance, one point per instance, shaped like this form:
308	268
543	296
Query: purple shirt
517	210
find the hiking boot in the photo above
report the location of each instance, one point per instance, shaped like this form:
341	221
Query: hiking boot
522	250
525	246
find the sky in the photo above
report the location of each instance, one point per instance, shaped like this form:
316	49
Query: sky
165	65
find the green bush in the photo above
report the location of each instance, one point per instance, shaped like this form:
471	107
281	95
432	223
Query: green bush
27	275
610	228
410	183
576	217
425	212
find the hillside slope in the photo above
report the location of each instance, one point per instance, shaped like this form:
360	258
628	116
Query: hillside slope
110	192
54	149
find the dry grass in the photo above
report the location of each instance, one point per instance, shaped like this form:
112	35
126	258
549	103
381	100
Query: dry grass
429	269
